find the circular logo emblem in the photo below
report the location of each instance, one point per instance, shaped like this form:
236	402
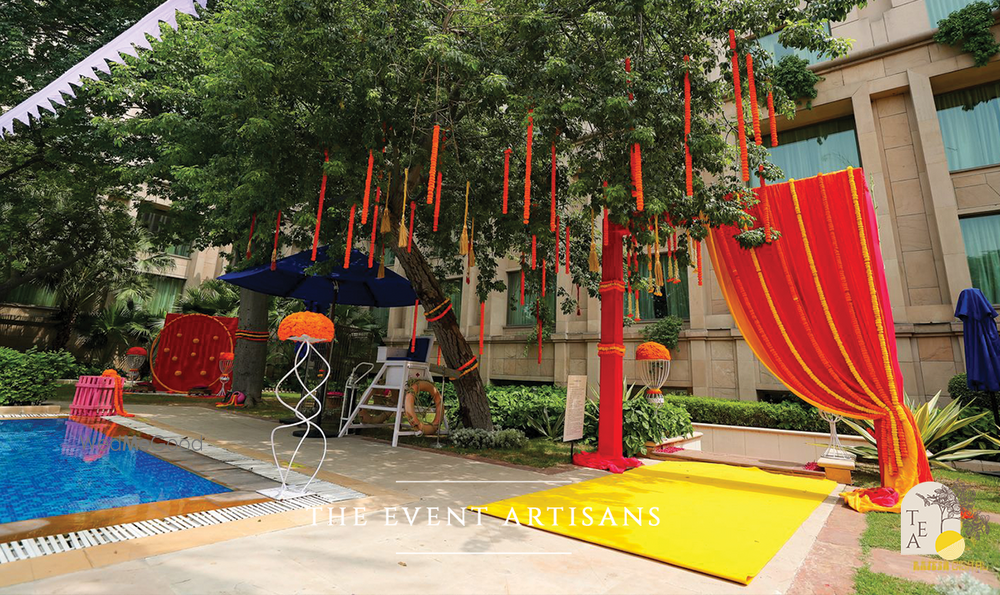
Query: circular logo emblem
950	545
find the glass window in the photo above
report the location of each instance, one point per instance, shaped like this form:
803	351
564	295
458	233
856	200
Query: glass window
518	315
820	148
939	9
32	295
771	45
165	293
155	220
982	245
970	126
673	302
453	289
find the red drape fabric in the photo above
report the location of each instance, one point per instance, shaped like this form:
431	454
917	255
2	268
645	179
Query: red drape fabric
187	352
814	308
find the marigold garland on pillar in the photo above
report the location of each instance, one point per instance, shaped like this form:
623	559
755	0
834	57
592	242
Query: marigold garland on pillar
433	164
738	98
319	210
527	168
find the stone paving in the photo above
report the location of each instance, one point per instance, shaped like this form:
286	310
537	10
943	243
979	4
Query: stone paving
422	558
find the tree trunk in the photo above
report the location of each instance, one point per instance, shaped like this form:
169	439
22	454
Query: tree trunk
250	357
67	320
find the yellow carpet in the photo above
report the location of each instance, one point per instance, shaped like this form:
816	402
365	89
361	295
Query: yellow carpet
720	520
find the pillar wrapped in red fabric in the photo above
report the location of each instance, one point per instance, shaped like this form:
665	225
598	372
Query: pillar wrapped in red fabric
814	307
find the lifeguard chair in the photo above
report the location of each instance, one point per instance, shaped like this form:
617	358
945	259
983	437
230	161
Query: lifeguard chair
400	367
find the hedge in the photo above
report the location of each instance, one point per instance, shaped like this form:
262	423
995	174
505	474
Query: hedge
28	377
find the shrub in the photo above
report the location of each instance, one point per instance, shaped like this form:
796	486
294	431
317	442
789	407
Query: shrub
664	331
641	422
971	27
756	414
958	388
26	378
514	407
475	439
793	76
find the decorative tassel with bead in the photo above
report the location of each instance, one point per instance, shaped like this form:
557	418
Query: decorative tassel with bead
552	212
401	243
368	187
773	122
595	264
409	234
506	177
319	210
274	251
386	223
482	325
534	252
413	333
527	168
253	223
463	244
433	166
350	237
738	98
754	109
371	247
437	202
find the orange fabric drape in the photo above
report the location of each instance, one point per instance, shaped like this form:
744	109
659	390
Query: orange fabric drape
814	307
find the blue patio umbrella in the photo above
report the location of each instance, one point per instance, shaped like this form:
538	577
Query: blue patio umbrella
354	286
982	344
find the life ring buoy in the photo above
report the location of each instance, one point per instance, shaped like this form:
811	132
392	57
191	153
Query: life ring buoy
409	406
374	416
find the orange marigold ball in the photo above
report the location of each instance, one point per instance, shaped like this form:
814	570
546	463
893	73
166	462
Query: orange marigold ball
226	356
109	372
651	350
306	326
136	351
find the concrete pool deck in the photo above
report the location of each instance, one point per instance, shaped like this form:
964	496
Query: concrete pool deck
288	553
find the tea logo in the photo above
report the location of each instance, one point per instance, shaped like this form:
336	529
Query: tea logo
929	511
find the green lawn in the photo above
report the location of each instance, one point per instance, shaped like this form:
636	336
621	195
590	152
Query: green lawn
882	531
270	408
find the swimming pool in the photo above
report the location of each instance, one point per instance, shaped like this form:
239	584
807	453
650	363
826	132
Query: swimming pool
51	467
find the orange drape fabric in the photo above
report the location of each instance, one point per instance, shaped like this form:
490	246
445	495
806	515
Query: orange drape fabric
814	307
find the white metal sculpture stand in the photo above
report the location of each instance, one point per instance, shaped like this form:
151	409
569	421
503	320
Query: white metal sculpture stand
301	357
835	450
225	368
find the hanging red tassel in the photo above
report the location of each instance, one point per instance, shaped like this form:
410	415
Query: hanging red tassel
628	68
578	311
482	324
557	234
534	252
738	98
773	120
567	248
697	250
688	172
637	176
604	224
433	167
253	223
527	168
409	233
687	98
543	278
437	202
368	187
319	211
754	109
350	237
522	281
552	214
413	333
506	175
371	247
274	251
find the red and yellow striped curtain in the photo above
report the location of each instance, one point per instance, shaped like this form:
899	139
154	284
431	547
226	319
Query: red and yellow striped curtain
814	307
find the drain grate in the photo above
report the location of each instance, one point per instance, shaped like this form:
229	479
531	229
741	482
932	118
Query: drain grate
24	415
35	547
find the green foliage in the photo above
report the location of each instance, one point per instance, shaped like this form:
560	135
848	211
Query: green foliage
477	439
642	421
550	425
792	75
755	414
971	27
958	388
26	377
935	425
664	331
516	407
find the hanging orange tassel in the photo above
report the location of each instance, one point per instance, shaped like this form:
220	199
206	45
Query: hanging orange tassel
697	248
567	248
543	278
738	98
637	176
772	119
274	251
534	252
527	168
437	202
368	187
350	237
688	173
413	334
319	211
522	280
552	214
253	223
371	247
506	176
754	109
482	324
409	234
433	167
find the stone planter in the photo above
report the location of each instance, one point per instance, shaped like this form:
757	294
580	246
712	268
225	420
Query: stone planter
28	409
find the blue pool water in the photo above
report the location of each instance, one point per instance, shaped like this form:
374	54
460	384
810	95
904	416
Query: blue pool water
51	467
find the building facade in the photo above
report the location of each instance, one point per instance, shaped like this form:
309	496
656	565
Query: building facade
924	124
